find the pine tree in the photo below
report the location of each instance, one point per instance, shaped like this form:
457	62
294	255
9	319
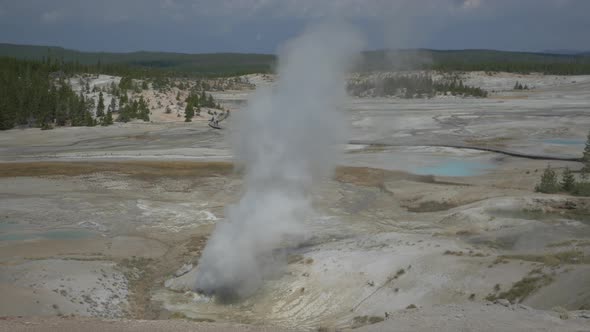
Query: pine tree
113	105
108	119
568	181
88	120
189	113
143	110
125	114
548	181
586	158
100	106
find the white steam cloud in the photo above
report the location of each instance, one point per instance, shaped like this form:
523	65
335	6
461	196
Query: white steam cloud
286	139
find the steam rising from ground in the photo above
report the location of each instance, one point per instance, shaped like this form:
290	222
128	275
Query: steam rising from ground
286	139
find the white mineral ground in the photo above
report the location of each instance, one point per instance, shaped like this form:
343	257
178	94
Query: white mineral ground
109	222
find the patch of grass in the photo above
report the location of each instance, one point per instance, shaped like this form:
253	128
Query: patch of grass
140	169
489	142
465	232
554	259
139	272
359	321
431	206
471	253
196	244
399	273
374	177
180	315
563	313
499	260
568	243
581	189
521	289
294	259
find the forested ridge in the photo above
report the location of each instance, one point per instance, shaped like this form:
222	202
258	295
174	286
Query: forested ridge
35	91
231	64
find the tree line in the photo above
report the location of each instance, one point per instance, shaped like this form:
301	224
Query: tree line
568	183
31	96
412	86
573	68
38	94
195	101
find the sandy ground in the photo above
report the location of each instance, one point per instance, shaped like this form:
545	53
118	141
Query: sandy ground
109	222
447	318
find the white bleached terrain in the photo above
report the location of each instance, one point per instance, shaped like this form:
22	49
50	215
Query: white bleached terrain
417	215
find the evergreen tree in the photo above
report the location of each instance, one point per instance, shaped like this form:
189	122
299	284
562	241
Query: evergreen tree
143	111
113	105
88	120
90	106
113	88
100	106
568	181
548	181
123	99
125	113
586	157
108	119
189	113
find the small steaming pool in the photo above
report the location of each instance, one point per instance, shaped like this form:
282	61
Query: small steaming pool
564	141
455	167
420	160
6	226
54	234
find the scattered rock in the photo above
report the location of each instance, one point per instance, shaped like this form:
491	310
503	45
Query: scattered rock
563	313
503	302
581	314
524	307
183	283
183	270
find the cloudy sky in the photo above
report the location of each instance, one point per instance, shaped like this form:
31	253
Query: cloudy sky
262	25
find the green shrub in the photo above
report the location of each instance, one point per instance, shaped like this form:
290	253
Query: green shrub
548	183
568	181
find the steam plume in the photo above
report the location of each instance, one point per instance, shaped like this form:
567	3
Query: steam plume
286	139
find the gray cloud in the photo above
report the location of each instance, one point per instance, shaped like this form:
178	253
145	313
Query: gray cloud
53	16
226	25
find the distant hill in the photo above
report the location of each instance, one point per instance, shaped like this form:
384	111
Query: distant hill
566	52
377	60
465	59
216	63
